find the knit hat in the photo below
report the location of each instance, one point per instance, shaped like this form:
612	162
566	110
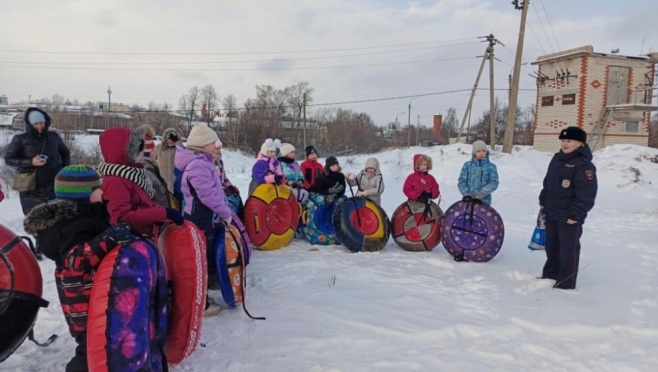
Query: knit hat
310	150
35	117
286	149
479	145
76	182
574	133
331	160
201	135
268	145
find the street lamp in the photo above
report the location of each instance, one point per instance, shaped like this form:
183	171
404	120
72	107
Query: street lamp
396	120
409	124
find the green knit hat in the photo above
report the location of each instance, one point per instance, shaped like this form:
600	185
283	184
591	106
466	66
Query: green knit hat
76	182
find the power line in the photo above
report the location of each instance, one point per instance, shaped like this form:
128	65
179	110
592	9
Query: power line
29	66
231	53
536	38
239	61
550	24
542	27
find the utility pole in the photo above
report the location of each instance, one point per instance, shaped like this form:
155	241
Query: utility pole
109	105
417	129
492	108
304	106
514	90
488	55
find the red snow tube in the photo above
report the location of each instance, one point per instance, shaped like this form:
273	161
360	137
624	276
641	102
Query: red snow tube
271	216
127	322
415	227
184	252
21	286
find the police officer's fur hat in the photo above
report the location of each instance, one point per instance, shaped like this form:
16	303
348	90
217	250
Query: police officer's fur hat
574	133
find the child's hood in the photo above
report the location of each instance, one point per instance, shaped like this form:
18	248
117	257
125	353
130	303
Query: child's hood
373	163
48	215
420	157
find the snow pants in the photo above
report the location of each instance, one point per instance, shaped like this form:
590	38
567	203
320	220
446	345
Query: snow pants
562	253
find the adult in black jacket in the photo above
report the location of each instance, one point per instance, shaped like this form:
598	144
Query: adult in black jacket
24	153
331	182
569	191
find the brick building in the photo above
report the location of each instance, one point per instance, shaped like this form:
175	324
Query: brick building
607	95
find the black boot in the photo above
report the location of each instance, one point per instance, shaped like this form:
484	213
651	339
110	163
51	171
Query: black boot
79	362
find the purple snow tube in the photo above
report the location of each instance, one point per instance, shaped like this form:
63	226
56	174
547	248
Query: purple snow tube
472	231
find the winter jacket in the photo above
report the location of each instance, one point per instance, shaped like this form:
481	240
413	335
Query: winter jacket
126	200
264	171
418	181
164	156
570	186
328	179
24	147
311	170
74	236
478	178
371	184
200	184
291	169
149	145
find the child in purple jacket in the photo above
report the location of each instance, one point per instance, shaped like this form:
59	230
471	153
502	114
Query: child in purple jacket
267	169
205	202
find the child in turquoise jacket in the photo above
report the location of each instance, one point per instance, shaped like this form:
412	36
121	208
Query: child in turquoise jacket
479	176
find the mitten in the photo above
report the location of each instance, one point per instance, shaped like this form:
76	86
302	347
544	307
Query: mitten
467	198
479	196
117	234
278	178
422	198
361	193
175	216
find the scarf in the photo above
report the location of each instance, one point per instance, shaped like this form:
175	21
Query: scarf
132	174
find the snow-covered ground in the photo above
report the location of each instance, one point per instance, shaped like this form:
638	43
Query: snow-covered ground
400	311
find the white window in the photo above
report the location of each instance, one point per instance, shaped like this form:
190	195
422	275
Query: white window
632	126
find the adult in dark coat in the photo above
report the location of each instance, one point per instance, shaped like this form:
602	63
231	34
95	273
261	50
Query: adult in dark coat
24	153
569	191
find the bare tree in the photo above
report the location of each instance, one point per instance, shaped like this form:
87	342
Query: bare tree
653	132
58	99
189	103
450	126
210	102
296	95
230	105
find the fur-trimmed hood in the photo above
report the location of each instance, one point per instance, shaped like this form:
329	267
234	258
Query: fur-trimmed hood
29	129
418	158
166	132
121	145
48	215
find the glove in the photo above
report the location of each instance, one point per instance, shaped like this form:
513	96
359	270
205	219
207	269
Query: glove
361	193
422	198
337	188
351	176
479	196
329	199
297	185
175	216
118	234
278	178
467	198
228	220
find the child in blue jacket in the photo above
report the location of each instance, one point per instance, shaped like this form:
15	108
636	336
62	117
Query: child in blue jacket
479	176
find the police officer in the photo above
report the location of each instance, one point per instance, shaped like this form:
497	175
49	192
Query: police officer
569	192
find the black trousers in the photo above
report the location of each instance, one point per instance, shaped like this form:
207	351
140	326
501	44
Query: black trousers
79	362
562	253
30	199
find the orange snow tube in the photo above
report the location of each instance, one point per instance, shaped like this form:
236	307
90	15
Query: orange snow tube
184	252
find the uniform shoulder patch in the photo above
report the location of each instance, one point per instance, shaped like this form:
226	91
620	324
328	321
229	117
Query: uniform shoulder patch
589	175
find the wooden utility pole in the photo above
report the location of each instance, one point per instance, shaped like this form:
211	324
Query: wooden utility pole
304	107
514	90
417	129
492	107
488	55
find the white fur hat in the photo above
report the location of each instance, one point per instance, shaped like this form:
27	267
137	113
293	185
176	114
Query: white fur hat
201	135
277	143
268	145
286	149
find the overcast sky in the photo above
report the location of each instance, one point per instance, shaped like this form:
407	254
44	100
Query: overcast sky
408	47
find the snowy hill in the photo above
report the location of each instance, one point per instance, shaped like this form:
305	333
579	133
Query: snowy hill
399	311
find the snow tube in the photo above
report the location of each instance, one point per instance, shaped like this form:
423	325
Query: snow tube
21	286
184	252
318	220
415	227
272	216
231	265
128	311
472	231
302	196
361	225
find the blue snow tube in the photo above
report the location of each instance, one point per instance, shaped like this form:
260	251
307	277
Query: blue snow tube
318	220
